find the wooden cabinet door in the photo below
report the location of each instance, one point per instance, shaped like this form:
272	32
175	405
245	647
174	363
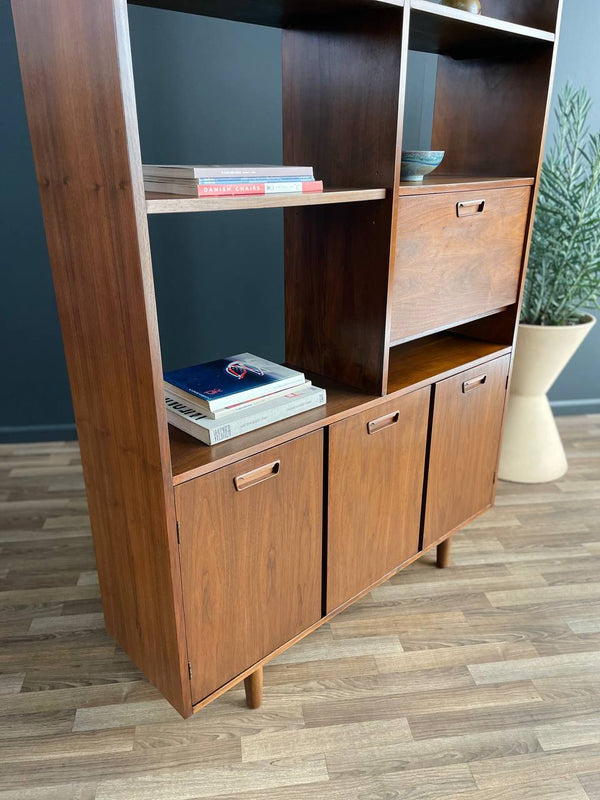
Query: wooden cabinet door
251	558
458	255
376	465
465	438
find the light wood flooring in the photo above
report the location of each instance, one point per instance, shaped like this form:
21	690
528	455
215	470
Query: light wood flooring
480	682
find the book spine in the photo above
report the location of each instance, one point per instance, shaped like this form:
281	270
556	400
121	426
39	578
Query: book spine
235	189
235	173
188	426
217	431
252	172
175	393
271	179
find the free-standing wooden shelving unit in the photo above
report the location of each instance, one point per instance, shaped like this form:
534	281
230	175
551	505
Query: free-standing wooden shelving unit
402	300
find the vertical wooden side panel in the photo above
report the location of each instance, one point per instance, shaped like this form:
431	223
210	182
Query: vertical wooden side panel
340	114
78	85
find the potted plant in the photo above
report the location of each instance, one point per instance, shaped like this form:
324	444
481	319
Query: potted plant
562	281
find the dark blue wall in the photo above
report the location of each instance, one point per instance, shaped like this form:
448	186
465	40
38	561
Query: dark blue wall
219	277
35	389
207	91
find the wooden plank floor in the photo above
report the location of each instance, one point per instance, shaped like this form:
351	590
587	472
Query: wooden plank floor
480	682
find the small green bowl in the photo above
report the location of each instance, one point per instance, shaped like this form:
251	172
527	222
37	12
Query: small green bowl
418	163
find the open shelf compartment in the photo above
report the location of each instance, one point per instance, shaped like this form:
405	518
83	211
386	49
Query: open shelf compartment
440	29
411	366
436	357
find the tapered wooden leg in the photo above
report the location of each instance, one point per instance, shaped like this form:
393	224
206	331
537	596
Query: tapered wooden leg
253	685
443	553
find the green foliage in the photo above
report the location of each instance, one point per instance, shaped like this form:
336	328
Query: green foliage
564	265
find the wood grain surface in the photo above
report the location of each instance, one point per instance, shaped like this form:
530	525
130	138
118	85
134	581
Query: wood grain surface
450	267
376	472
477	682
251	558
490	113
465	435
157	203
535	13
337	256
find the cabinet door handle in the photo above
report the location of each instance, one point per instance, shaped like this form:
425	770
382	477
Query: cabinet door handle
255	476
469	208
383	422
474	383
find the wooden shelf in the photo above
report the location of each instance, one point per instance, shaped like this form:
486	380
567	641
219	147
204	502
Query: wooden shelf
437	357
273	13
447	31
412	365
157	203
437	183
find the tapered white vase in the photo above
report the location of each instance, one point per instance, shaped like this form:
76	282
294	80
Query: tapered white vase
532	451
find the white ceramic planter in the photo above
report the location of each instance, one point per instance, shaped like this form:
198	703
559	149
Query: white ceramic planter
532	451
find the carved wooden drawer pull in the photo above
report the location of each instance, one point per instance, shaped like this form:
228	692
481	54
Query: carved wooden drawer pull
256	476
474	383
383	422
470	207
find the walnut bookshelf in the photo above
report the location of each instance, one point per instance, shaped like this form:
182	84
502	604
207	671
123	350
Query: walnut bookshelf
409	321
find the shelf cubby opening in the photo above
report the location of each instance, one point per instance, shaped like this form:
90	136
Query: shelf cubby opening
207	267
449	326
435	357
448	31
539	14
485	113
411	366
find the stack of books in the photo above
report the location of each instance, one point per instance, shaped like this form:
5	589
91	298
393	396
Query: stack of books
212	181
225	398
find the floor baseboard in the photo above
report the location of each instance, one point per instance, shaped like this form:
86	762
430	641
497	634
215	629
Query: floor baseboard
14	434
569	408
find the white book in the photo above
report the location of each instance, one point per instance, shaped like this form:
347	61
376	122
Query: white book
194	189
234	408
223	171
213	431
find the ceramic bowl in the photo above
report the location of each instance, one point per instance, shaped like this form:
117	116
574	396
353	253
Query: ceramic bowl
418	163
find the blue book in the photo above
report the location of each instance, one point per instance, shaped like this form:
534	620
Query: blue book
241	377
